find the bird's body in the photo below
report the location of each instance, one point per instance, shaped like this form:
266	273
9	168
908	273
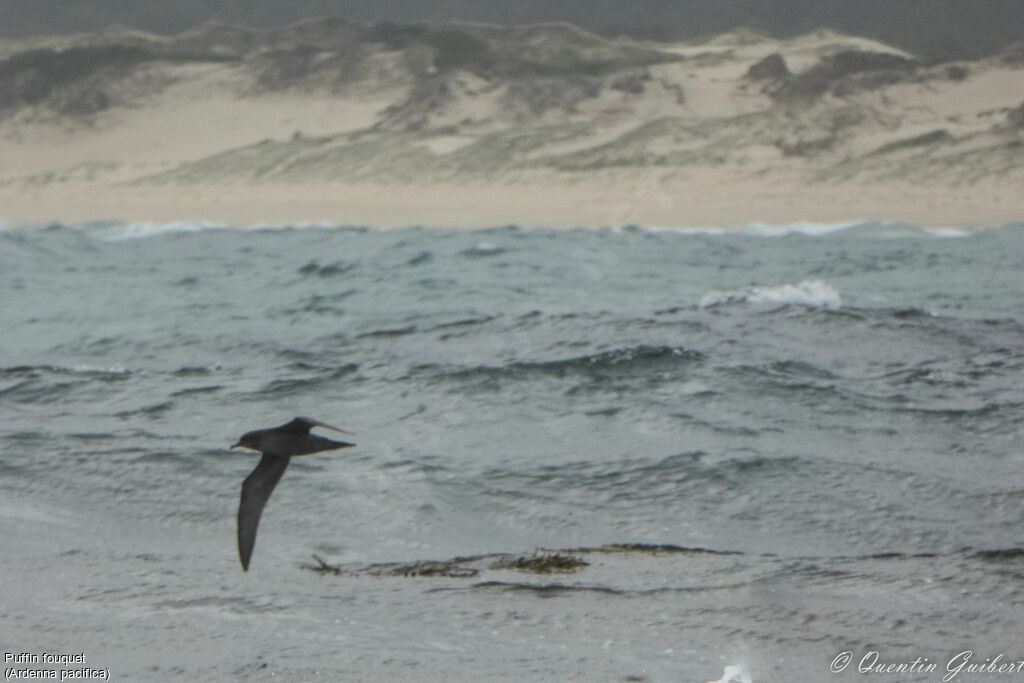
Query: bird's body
278	445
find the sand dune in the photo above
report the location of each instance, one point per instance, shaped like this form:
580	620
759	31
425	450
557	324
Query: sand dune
470	125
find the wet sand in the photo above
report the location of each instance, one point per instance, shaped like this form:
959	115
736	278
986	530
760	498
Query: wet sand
701	203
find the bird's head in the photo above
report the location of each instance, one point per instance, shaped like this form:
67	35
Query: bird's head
249	440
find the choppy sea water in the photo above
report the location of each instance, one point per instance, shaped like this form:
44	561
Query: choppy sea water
768	447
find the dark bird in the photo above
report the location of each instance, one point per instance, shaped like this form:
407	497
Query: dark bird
277	445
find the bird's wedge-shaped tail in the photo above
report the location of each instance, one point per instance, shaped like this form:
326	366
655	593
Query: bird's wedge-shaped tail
278	445
302	425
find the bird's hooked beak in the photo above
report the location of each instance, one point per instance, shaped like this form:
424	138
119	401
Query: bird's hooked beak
237	445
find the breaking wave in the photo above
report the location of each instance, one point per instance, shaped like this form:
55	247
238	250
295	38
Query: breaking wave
811	293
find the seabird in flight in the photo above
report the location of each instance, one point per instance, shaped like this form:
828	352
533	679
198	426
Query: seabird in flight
278	445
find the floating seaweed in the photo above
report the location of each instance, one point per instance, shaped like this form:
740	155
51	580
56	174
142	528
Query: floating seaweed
546	563
541	562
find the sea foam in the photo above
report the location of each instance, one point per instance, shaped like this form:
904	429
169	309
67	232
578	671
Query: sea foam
800	228
812	293
115	231
734	674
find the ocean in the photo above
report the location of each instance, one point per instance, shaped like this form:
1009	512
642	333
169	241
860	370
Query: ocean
783	453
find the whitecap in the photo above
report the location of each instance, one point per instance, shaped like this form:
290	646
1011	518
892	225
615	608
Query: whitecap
680	229
94	369
305	225
483	249
142	229
812	293
799	228
947	232
116	230
754	229
734	674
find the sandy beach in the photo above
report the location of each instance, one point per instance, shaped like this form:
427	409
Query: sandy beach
470	126
700	203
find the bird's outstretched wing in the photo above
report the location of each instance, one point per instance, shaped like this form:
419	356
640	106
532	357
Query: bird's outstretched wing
302	425
256	489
